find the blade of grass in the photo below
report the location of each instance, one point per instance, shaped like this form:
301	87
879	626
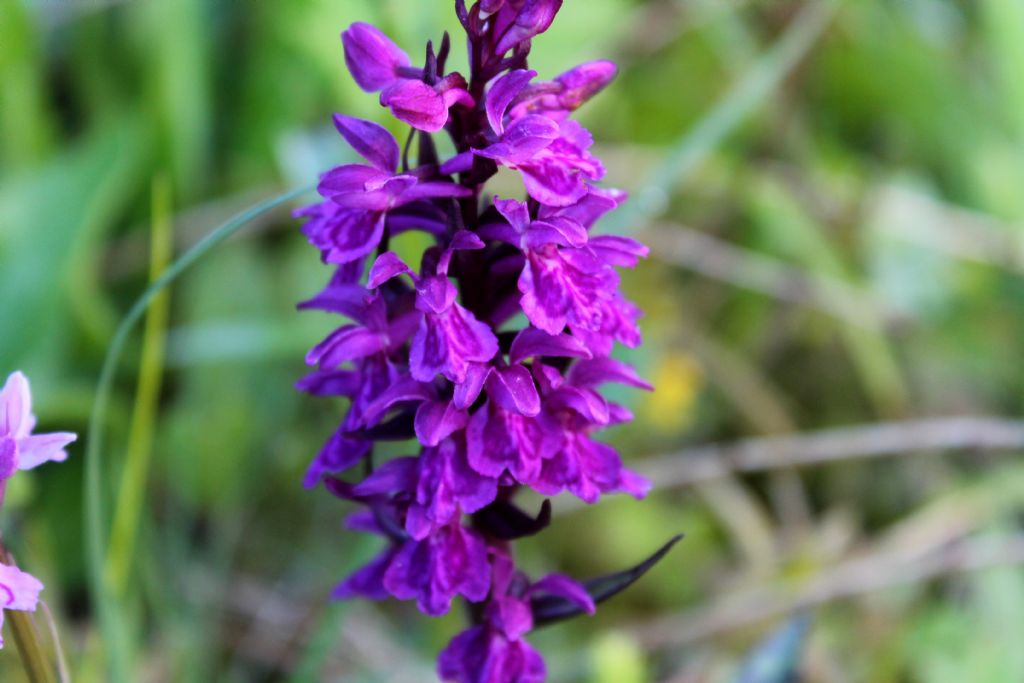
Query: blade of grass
140	439
105	603
26	121
63	672
750	91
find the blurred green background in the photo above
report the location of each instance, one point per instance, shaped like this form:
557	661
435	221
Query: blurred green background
834	194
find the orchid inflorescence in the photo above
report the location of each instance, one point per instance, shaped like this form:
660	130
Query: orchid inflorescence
492	352
20	449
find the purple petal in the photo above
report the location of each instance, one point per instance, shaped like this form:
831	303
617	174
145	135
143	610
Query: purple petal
473	491
469	389
406	390
15	407
512	616
546	299
618	251
588	210
634	484
348	236
466	657
8	461
464	240
436	420
368	521
35	450
513	389
559	230
469	341
417	104
18	590
428	354
345	344
345	299
460	163
387	266
583	82
351	179
372	141
534	17
597	371
433	190
523	139
501	94
394	476
435	569
338	454
452	89
553	184
402	325
435	294
515	212
589	404
532	342
371	57
500	232
447	488
367	582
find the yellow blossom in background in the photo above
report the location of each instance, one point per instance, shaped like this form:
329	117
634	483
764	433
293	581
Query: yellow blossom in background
618	658
678	379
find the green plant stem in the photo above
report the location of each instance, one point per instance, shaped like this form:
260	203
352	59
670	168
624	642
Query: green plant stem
140	439
106	604
26	639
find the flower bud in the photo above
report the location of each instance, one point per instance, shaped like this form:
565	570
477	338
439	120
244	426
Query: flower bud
372	58
521	21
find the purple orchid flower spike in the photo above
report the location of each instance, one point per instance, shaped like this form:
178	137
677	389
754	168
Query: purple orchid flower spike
492	353
20	449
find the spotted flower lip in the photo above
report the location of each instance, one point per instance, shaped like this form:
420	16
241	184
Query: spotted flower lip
486	354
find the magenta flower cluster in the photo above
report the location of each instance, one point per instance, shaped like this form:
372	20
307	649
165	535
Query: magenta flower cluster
20	449
492	351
